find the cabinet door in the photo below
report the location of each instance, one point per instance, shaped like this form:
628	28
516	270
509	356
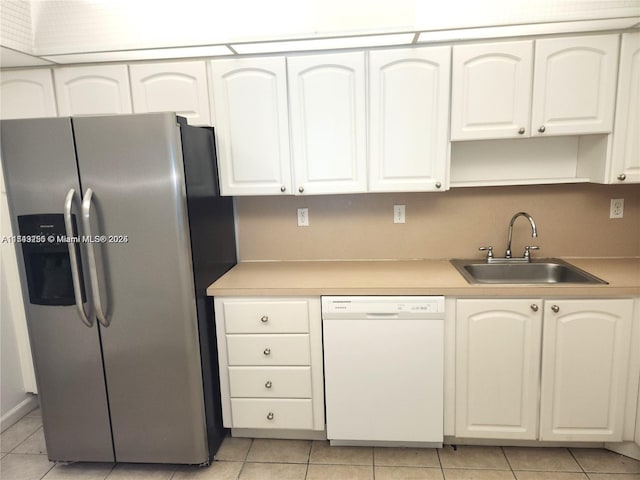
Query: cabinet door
179	87
626	139
497	368
327	105
574	85
27	94
491	90
252	126
408	112
102	89
585	358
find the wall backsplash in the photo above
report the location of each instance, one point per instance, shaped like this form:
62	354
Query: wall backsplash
573	221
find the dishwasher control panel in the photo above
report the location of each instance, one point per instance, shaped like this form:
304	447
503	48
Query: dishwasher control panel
383	306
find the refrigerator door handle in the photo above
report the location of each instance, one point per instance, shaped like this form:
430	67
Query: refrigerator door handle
93	270
73	259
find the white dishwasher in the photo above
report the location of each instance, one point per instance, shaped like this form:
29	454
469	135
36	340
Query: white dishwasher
384	362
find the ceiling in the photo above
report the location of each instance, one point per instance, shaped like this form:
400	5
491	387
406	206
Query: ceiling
46	32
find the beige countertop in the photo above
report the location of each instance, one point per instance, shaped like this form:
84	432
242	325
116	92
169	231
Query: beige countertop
410	277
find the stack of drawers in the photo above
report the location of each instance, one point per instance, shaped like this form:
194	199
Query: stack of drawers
269	372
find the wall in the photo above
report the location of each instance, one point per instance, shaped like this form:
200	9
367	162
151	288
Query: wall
16	366
572	220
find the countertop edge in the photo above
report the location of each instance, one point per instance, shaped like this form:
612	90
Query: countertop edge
411	277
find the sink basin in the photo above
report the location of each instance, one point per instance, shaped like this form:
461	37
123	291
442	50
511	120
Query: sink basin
542	271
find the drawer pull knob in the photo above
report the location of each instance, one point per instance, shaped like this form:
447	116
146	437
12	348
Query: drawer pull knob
521	131
622	177
542	129
268	384
555	308
264	319
534	307
270	416
267	351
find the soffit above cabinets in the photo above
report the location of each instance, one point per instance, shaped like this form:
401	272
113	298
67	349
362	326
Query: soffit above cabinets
87	31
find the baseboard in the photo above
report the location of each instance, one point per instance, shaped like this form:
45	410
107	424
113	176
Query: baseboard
16	413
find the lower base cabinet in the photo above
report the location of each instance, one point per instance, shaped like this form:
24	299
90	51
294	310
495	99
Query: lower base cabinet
571	354
585	361
270	360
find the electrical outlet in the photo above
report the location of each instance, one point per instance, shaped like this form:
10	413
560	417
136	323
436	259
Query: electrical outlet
616	210
398	214
303	217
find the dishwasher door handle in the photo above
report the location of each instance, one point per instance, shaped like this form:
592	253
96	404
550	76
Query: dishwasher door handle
380	316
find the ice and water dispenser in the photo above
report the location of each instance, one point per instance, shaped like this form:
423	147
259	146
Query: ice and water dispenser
46	259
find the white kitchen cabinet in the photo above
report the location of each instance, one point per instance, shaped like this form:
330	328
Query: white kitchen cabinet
99	89
27	94
584	369
408	114
573	89
625	163
581	358
498	368
179	87
270	360
492	86
250	110
327	102
574	85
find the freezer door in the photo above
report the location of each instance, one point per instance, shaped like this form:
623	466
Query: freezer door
40	168
133	164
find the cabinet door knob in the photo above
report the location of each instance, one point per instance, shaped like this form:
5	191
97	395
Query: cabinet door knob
555	308
521	130
438	184
301	189
541	129
267	351
283	189
534	307
270	416
268	384
264	319
622	177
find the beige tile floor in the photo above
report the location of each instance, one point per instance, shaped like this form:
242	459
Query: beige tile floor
23	457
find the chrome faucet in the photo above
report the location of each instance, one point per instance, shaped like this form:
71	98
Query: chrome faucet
534	233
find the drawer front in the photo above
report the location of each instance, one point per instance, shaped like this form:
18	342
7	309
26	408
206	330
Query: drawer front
270	382
258	413
267	317
268	350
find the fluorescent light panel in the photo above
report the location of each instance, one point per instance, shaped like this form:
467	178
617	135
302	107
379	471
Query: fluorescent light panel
324	43
524	30
151	54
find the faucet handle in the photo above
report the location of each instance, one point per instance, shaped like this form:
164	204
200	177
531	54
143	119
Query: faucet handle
527	251
489	251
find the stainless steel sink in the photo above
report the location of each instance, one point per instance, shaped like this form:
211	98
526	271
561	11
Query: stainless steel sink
539	271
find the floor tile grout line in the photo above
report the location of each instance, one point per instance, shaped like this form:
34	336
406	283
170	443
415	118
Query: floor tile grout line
578	462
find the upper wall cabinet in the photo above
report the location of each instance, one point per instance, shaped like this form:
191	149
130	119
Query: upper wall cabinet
491	90
90	90
179	87
328	122
574	85
573	92
27	94
625	165
408	113
252	127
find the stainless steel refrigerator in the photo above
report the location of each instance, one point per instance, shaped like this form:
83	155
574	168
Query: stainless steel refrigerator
120	230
